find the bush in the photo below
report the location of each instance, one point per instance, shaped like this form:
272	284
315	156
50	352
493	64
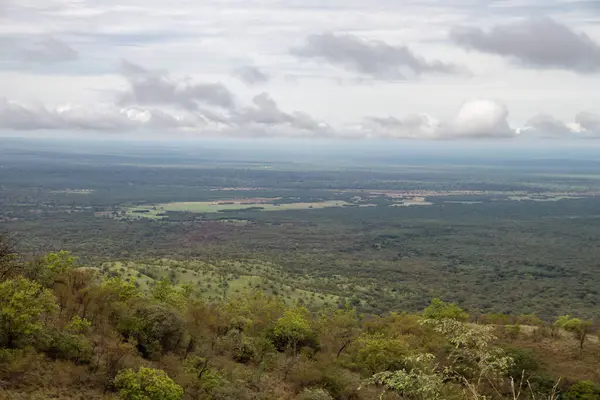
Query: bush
314	394
244	352
583	390
157	329
70	347
146	384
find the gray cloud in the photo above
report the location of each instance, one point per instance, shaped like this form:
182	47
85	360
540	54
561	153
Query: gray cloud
545	125
262	118
373	58
589	122
539	43
48	50
250	75
158	87
15	116
264	115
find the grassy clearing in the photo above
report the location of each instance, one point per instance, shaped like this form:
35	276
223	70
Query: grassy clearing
222	280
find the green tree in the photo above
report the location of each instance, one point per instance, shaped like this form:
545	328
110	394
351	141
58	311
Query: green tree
579	328
59	262
157	328
146	384
24	306
165	292
583	390
439	309
377	353
123	290
8	257
292	328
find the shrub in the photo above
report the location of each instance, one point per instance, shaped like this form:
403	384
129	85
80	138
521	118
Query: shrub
583	390
146	384
314	394
70	347
439	309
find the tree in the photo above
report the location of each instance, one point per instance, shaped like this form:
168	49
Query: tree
579	328
292	328
24	305
439	309
59	262
165	292
473	361
8	256
339	328
157	328
146	384
378	353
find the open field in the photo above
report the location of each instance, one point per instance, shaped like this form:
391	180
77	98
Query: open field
221	280
159	210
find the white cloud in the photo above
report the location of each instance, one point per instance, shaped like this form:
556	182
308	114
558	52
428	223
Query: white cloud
476	119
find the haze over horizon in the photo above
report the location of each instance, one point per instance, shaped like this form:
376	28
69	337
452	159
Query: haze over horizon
461	69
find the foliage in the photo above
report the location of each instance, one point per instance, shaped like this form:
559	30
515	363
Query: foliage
292	328
583	390
8	257
579	328
473	360
314	394
378	353
439	309
165	292
146	384
156	328
24	307
59	262
124	290
419	381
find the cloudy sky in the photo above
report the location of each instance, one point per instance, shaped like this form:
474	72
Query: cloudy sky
411	69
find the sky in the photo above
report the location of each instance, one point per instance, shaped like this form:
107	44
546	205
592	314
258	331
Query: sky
470	70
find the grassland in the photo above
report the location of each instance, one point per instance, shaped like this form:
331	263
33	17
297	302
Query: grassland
221	280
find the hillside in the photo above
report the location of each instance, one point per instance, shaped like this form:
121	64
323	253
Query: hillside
168	329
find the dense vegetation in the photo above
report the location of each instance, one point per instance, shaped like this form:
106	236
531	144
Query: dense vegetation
67	331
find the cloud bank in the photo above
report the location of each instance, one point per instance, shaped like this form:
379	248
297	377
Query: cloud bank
475	120
372	58
585	125
536	43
